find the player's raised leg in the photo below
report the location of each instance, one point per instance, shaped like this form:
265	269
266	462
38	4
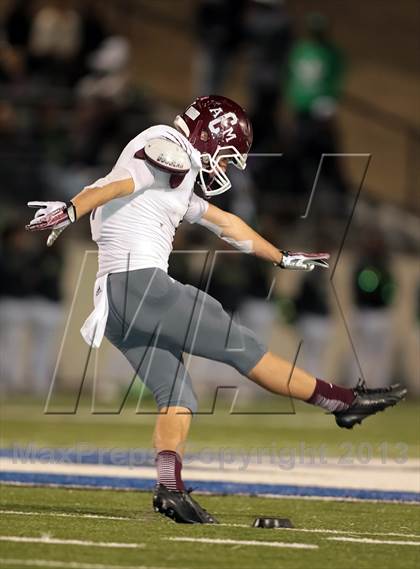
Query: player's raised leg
217	333
349	406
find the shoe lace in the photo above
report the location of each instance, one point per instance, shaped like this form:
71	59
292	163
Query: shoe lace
362	387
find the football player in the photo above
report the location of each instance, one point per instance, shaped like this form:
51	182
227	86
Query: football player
151	318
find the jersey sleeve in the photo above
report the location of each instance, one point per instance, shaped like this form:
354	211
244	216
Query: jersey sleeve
196	209
141	173
116	174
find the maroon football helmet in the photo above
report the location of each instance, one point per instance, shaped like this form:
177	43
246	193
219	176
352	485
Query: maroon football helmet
218	128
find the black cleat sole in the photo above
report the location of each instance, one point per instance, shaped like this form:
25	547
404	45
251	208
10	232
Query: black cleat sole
180	507
367	404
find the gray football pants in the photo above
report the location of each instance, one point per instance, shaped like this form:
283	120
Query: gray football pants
153	319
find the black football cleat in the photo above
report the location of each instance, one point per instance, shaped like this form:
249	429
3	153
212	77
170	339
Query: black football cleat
368	402
180	507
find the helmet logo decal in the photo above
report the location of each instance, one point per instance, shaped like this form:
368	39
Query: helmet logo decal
216	112
192	113
227	121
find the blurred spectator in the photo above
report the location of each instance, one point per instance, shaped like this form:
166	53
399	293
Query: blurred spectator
228	278
274	172
109	110
51	130
8	121
414	371
256	310
30	311
409	347
110	76
316	71
268	31
12	64
20	156
240	199
55	42
314	323
372	329
275	169
220	29
242	283
93	32
14	44
316	76
17	24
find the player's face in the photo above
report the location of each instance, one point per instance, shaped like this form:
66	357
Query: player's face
223	164
213	176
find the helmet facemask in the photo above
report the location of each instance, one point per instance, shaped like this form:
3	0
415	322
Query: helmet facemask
210	165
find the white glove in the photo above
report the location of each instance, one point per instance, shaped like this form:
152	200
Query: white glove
52	215
303	261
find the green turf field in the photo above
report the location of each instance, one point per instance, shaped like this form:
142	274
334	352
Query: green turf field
26	423
122	517
127	517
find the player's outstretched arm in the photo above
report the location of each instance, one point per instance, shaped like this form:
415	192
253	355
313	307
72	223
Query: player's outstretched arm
56	216
240	235
92	197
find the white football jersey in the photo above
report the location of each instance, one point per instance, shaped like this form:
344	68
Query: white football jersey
137	231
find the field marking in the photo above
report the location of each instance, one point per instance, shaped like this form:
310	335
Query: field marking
55	541
71	515
270	495
320	498
68	564
216	487
127	519
243	542
260	478
374	541
332	531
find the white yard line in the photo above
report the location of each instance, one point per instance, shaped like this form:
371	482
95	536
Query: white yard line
68	515
351	532
324	498
127	519
374	541
67	564
333	531
55	541
243	542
